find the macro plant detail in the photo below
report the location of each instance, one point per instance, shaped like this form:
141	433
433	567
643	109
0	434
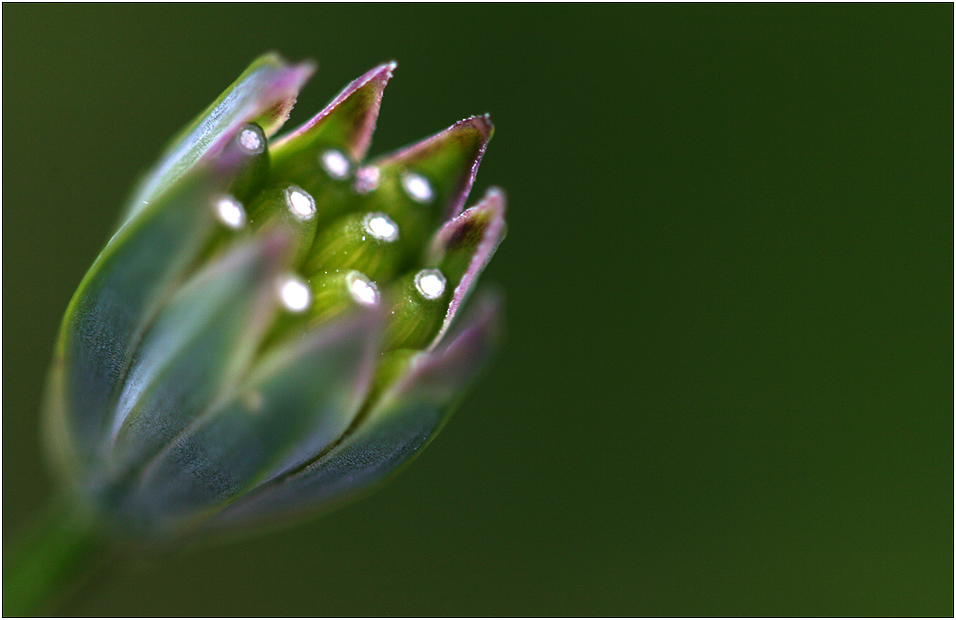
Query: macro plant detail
276	326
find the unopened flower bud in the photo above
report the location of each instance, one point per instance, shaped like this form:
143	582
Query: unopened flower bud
340	291
368	242
275	325
251	143
290	207
418	310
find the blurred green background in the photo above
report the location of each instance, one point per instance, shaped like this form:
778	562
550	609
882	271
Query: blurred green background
727	382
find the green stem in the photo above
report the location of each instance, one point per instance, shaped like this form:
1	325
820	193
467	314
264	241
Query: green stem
50	560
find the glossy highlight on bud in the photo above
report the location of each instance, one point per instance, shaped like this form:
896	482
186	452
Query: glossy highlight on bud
430	283
380	227
251	140
230	212
335	164
294	294
300	204
275	327
418	188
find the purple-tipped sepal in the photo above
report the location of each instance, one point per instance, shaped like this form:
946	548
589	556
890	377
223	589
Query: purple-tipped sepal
464	246
264	94
447	162
348	121
394	428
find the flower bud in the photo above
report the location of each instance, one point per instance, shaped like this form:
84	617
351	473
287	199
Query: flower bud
273	328
250	142
291	208
367	242
340	292
418	311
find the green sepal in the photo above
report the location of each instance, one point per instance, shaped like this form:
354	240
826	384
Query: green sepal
347	123
331	296
289	208
442	168
298	399
421	390
119	296
464	246
342	133
250	141
334	294
263	94
414	318
200	345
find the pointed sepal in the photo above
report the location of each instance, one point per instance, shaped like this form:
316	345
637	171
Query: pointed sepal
347	123
118	298
427	183
447	161
321	156
298	400
200	345
263	94
394	429
463	247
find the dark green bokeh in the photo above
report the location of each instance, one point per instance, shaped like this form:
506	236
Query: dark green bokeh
726	387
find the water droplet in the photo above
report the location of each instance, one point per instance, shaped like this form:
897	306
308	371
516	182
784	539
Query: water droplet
250	140
430	283
362	289
418	187
366	179
335	164
301	204
380	226
294	294
230	212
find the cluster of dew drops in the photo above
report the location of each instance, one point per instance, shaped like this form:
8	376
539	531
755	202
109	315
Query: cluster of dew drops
293	292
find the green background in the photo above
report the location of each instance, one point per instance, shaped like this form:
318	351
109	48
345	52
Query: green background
726	385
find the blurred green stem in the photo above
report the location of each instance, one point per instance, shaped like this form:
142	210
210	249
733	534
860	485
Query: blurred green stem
50	560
